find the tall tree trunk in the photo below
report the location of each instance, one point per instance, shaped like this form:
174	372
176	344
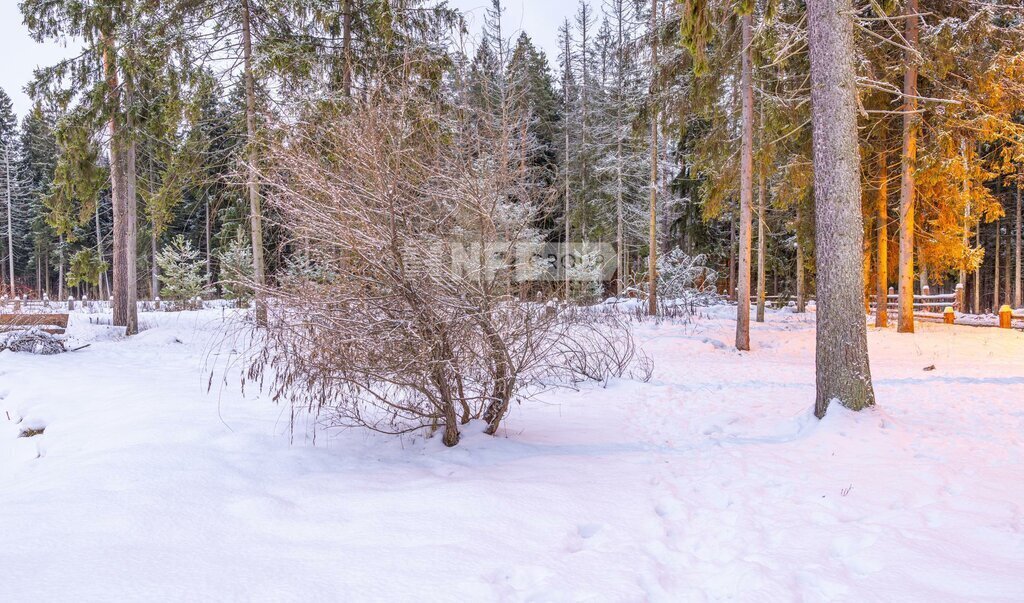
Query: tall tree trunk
10	219
843	373
1017	293
882	242
568	191
967	218
255	211
620	265
346	47
652	256
731	294
209	252
99	254
60	269
801	293
746	188
865	263
154	276
1007	283
995	273
905	322
977	274
122	184
584	89
762	246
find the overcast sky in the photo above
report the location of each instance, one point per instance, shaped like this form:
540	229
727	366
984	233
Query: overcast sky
21	55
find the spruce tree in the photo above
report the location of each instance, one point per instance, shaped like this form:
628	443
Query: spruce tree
8	174
181	271
37	163
124	39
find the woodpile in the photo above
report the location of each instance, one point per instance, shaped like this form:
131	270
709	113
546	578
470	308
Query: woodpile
32	341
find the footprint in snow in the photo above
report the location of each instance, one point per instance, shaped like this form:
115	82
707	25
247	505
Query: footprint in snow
581	539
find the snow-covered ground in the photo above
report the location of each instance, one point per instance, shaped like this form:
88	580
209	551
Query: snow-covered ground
711	482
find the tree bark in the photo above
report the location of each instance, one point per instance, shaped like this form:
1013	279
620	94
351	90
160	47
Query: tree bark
1007	283
209	252
731	293
346	47
866	257
10	219
1017	293
801	293
154	276
652	256
122	184
843	373
922	272
882	246
977	274
255	211
60	269
967	217
762	247
620	265
568	192
905	319
746	188
995	273
99	254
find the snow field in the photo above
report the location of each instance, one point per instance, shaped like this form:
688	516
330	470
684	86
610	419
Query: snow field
711	482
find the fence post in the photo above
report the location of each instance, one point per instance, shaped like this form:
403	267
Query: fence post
71	303
1005	317
958	303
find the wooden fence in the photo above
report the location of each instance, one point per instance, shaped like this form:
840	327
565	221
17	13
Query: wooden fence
88	306
933	303
946	308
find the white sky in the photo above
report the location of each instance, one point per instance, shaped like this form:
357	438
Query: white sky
538	18
21	55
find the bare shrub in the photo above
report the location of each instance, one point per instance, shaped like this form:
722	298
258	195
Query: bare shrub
401	311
